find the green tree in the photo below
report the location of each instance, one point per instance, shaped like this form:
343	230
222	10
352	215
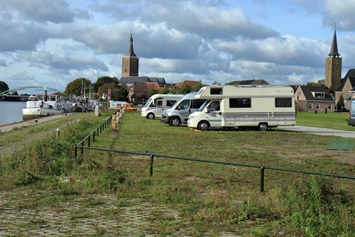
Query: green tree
185	89
120	95
105	80
104	88
78	87
3	86
152	92
197	87
165	91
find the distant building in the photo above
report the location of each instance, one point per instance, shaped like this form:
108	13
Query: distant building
346	90
130	62
333	65
190	83
138	86
311	98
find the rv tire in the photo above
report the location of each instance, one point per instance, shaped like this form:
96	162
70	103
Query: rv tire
263	126
174	121
150	116
203	126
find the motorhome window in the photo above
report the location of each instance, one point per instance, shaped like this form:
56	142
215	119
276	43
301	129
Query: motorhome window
196	104
283	102
184	104
170	103
159	103
214	106
216	91
239	103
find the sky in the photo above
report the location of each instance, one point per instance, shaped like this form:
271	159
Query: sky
51	43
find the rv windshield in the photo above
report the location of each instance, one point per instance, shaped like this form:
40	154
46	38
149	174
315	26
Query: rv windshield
204	105
147	103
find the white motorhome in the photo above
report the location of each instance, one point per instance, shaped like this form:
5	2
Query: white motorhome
181	110
244	106
157	104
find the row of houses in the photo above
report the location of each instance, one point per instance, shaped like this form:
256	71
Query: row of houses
307	98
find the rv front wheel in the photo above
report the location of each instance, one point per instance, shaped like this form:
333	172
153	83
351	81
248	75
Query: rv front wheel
150	116
203	126
174	121
263	126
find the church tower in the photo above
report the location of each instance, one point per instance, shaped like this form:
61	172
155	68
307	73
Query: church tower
130	62
333	66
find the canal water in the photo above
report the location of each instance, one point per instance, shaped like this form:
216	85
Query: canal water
11	111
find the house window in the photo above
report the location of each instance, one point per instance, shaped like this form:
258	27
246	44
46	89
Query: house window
299	93
283	102
317	106
318	94
240	103
330	106
310	106
216	91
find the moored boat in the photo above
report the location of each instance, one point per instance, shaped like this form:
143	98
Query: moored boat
49	105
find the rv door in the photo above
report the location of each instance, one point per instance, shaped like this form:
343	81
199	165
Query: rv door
213	110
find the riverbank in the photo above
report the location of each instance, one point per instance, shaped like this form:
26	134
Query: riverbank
10	126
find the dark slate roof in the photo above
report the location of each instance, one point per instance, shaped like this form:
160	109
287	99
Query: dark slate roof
294	87
307	91
349	75
133	79
130	52
159	80
250	82
334	49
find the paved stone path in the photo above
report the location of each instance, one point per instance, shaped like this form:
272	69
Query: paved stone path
27	213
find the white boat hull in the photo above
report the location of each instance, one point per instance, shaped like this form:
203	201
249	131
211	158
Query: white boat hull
31	113
35	109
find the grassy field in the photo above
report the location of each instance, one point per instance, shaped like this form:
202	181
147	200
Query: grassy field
329	120
207	198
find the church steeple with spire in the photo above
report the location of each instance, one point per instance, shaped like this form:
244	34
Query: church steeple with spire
130	62
333	65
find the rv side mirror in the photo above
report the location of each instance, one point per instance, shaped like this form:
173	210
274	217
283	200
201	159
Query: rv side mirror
205	110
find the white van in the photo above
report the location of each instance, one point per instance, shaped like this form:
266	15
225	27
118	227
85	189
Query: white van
181	110
157	104
351	118
244	106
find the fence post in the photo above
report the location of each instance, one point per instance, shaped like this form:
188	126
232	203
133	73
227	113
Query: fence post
93	136
262	169
82	147
89	140
75	151
151	165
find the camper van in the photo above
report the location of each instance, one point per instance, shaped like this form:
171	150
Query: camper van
181	110
351	118
157	104
229	106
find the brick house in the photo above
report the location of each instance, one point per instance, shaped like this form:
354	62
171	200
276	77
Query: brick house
139	90
311	98
346	90
192	84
